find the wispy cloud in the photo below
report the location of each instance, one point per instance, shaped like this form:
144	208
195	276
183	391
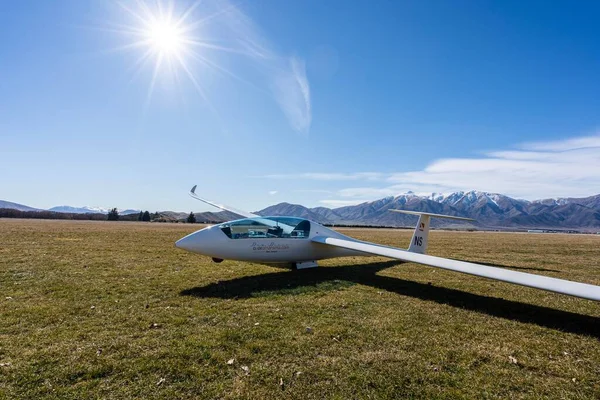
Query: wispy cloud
212	37
570	167
285	75
325	176
340	203
583	142
292	92
321	191
273	192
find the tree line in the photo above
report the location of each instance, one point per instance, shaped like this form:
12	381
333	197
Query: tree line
113	215
144	216
12	213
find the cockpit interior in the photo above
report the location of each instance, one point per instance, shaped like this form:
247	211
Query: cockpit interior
267	227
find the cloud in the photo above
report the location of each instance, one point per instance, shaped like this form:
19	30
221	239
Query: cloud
322	191
539	170
285	75
340	203
562	168
583	142
368	192
325	176
292	92
273	192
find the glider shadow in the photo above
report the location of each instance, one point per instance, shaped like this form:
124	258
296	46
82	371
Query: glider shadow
509	266
366	274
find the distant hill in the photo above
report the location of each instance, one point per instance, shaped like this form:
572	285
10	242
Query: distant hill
16	206
209	217
296	211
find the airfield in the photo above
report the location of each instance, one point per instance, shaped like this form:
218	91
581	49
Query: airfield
114	310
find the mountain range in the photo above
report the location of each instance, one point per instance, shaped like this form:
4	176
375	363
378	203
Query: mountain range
90	210
66	209
490	210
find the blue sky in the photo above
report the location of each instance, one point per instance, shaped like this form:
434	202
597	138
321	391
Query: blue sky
311	102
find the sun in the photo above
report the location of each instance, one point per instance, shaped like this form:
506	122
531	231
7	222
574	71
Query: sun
166	38
163	33
170	40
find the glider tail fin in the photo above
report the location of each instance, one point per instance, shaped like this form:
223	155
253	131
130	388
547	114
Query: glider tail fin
418	243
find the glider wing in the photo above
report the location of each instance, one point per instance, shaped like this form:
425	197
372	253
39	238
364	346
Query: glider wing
576	289
222	206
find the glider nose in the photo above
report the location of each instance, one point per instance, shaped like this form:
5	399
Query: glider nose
206	241
192	242
184	243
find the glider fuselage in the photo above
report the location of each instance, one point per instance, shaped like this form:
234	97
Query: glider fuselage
263	240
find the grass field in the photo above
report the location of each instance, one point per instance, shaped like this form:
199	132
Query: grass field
114	310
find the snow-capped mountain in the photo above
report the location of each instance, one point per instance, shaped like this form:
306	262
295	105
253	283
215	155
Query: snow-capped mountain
468	198
78	210
90	210
66	209
488	209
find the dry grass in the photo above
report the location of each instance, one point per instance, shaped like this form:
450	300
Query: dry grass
113	310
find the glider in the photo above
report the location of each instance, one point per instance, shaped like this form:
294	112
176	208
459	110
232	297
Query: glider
300	243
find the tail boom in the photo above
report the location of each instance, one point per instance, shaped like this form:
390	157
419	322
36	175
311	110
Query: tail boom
420	238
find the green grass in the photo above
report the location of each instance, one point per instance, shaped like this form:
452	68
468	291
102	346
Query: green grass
113	310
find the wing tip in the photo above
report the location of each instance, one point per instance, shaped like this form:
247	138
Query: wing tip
193	191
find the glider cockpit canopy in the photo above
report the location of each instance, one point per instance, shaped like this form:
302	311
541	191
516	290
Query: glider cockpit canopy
267	227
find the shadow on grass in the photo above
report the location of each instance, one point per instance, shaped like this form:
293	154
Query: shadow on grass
510	266
294	282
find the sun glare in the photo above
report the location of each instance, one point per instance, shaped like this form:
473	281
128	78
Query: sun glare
165	38
170	40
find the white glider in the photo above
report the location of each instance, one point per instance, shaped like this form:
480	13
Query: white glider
300	243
